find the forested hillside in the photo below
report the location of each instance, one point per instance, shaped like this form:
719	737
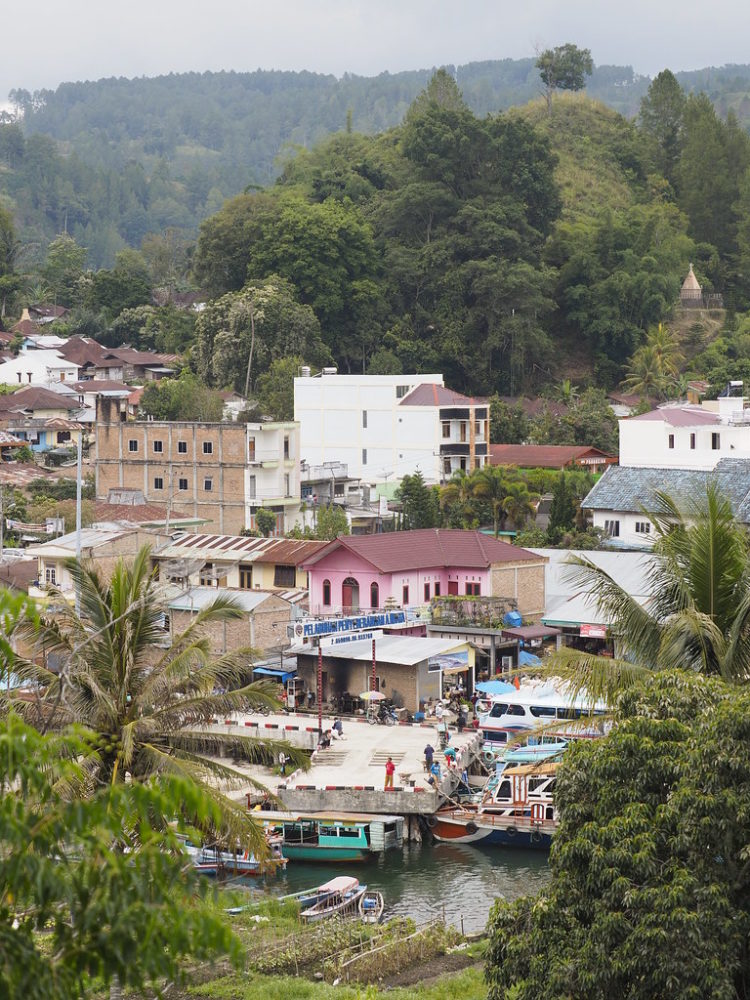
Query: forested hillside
510	251
130	157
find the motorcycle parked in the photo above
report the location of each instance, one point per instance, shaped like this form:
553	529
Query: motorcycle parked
383	715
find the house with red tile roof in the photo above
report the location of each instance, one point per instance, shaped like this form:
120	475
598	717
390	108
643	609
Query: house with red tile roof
550	456
408	568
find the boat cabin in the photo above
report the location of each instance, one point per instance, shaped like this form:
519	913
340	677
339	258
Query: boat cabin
526	790
532	706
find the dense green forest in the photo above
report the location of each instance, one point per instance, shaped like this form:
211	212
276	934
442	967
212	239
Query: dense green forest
508	250
113	160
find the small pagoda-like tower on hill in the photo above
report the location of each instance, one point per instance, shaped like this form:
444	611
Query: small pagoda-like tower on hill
691	293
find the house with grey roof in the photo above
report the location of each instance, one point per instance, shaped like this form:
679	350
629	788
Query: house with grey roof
620	500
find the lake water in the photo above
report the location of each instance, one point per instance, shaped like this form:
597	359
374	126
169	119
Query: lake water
422	882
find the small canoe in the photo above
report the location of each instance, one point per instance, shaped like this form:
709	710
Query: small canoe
371	906
340	897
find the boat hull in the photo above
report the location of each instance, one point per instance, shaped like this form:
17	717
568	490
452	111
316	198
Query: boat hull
492	833
312	852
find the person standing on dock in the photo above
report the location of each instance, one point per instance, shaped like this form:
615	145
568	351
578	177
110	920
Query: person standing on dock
390	767
429	753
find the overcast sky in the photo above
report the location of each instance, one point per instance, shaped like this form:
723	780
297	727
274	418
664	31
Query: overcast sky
52	41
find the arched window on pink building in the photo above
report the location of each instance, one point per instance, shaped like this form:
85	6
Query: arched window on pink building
327	593
374	595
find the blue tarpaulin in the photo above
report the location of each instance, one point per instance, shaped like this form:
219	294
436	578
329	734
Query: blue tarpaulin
276	672
528	660
493	687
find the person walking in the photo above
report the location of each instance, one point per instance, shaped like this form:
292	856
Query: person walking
429	753
282	763
338	728
390	767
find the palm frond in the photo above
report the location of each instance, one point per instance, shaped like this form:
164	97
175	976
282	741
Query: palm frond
597	678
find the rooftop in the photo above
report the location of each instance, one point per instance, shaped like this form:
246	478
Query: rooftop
198	598
407	650
427	548
541	456
432	394
632	489
36	397
681	415
237	548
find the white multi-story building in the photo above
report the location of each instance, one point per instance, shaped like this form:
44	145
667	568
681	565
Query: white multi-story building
383	426
674	449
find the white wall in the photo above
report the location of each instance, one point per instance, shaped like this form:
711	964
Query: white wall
397	440
37	368
627	526
645	444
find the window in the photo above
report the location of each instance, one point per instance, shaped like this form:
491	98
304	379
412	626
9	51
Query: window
19	376
251	488
63	436
401	391
427	592
158	483
612	528
364	418
208	485
206	576
287	487
643	527
182	484
462	431
446	466
478	428
437	588
246	576
286	446
477	463
28	376
462	464
671	440
208	447
374	595
364	456
405	594
251	449
472	589
158	447
715	441
182	447
50	575
446	429
692	441
284	576
327	593
132	445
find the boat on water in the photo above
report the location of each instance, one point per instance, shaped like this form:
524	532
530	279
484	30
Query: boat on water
214	861
338	897
518	812
319	836
371	906
539	705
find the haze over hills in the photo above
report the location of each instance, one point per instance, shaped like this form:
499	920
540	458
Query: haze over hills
138	156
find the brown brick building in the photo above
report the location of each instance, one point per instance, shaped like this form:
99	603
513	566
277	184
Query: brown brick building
220	472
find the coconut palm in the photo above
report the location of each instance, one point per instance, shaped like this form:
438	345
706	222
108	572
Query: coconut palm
492	484
149	700
459	492
697	617
519	504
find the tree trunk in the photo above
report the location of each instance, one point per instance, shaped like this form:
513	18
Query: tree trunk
115	989
250	356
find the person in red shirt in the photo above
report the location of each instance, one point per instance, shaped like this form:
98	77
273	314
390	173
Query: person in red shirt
390	767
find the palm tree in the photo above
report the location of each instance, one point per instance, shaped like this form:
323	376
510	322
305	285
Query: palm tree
150	701
519	504
459	492
492	484
646	376
698	615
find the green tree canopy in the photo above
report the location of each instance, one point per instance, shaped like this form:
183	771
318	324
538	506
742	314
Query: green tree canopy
183	398
564	68
661	117
420	503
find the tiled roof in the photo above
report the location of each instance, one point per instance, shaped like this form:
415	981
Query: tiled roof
540	456
144	513
431	394
427	548
36	397
681	416
632	490
82	351
101	385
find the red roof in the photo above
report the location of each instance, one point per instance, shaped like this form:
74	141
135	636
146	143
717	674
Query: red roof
431	394
428	548
82	351
543	456
36	397
290	552
681	416
101	385
144	513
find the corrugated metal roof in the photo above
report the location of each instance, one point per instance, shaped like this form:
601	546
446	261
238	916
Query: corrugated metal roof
544	456
198	598
685	415
238	548
632	490
406	650
427	548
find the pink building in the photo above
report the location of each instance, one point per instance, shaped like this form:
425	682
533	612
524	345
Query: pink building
409	568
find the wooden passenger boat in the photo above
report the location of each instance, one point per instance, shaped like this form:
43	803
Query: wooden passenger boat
371	906
348	837
338	897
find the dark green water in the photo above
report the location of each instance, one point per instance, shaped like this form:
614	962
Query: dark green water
423	882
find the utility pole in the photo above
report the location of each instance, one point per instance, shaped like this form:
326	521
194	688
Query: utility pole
79	472
2	523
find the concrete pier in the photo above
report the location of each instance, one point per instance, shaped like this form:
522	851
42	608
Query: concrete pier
351	774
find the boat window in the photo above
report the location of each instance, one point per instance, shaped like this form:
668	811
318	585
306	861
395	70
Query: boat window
350	831
535	783
495	735
543	711
516	710
503	790
569	713
498	709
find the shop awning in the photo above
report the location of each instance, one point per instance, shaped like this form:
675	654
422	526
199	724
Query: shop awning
463	669
494	687
526	633
277	672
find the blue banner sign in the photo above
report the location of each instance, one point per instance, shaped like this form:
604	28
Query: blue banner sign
314	628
